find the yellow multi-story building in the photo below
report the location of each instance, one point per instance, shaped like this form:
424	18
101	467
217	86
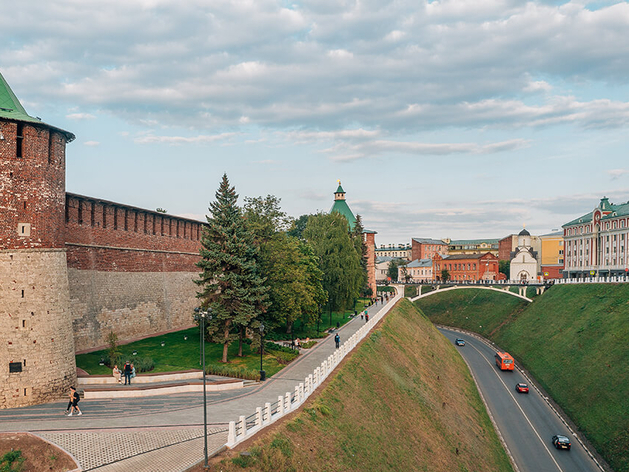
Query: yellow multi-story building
552	255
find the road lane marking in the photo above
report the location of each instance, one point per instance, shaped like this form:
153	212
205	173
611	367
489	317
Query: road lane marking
518	405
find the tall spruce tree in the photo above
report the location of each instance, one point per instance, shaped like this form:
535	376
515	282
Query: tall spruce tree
230	281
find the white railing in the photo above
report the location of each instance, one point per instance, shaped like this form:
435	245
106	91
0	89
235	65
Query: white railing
594	280
245	427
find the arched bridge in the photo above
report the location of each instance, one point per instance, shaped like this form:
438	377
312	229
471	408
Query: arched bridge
497	286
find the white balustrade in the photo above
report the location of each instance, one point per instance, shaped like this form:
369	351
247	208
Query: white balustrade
267	413
264	417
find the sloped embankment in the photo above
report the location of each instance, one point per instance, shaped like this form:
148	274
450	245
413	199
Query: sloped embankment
574	339
404	400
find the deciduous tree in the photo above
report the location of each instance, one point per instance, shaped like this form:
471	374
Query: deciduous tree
342	272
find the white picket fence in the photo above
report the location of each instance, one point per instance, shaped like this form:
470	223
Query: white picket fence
265	415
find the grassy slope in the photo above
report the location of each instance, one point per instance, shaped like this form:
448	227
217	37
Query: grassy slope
404	400
574	340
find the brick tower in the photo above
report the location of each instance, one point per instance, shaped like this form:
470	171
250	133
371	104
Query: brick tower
36	340
369	237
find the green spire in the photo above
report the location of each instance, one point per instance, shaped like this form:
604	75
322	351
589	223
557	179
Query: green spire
10	106
341	206
12	109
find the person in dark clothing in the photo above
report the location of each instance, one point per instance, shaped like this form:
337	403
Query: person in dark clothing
73	404
337	340
127	373
366	317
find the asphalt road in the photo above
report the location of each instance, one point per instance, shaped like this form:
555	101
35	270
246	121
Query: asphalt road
527	423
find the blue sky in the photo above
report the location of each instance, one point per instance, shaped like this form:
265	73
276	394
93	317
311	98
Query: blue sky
459	119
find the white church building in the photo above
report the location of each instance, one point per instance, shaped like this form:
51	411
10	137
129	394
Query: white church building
524	261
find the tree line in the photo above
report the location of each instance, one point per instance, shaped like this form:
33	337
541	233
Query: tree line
262	268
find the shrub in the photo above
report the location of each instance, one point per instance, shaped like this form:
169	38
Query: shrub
112	351
410	291
232	371
141	364
308	345
12	461
285	357
272	347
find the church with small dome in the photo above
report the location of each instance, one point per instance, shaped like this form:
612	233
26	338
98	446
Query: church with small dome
524	260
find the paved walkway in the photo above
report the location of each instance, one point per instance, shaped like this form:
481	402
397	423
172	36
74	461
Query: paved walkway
162	434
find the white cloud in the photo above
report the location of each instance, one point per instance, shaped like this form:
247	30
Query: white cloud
91	143
80	116
538	86
151	139
616	174
347	151
395	36
267	162
351	64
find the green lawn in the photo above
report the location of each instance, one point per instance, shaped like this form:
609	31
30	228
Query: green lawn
180	354
303	330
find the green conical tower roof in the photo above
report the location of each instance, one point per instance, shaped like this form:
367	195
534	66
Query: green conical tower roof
12	109
341	206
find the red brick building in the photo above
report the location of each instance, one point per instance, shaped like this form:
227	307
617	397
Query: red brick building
506	246
426	248
466	266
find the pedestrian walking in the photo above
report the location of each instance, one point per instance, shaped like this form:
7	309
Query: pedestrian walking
366	317
337	340
73	404
127	373
362	316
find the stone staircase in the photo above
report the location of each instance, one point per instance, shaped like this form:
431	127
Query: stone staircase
145	385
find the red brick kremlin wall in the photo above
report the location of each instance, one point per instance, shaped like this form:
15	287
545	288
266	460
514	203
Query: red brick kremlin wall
130	270
107	236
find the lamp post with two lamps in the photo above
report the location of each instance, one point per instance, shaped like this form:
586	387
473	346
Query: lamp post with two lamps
201	316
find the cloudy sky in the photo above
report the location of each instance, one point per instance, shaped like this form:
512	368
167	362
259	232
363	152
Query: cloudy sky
444	118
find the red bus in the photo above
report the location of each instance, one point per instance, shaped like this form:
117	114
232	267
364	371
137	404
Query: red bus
504	361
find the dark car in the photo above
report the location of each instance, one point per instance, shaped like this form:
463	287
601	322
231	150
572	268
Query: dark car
561	442
521	388
459	342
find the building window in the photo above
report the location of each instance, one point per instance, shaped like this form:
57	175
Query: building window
19	140
50	147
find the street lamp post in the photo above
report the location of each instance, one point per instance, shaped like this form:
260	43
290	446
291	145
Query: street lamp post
318	320
202	316
262	372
